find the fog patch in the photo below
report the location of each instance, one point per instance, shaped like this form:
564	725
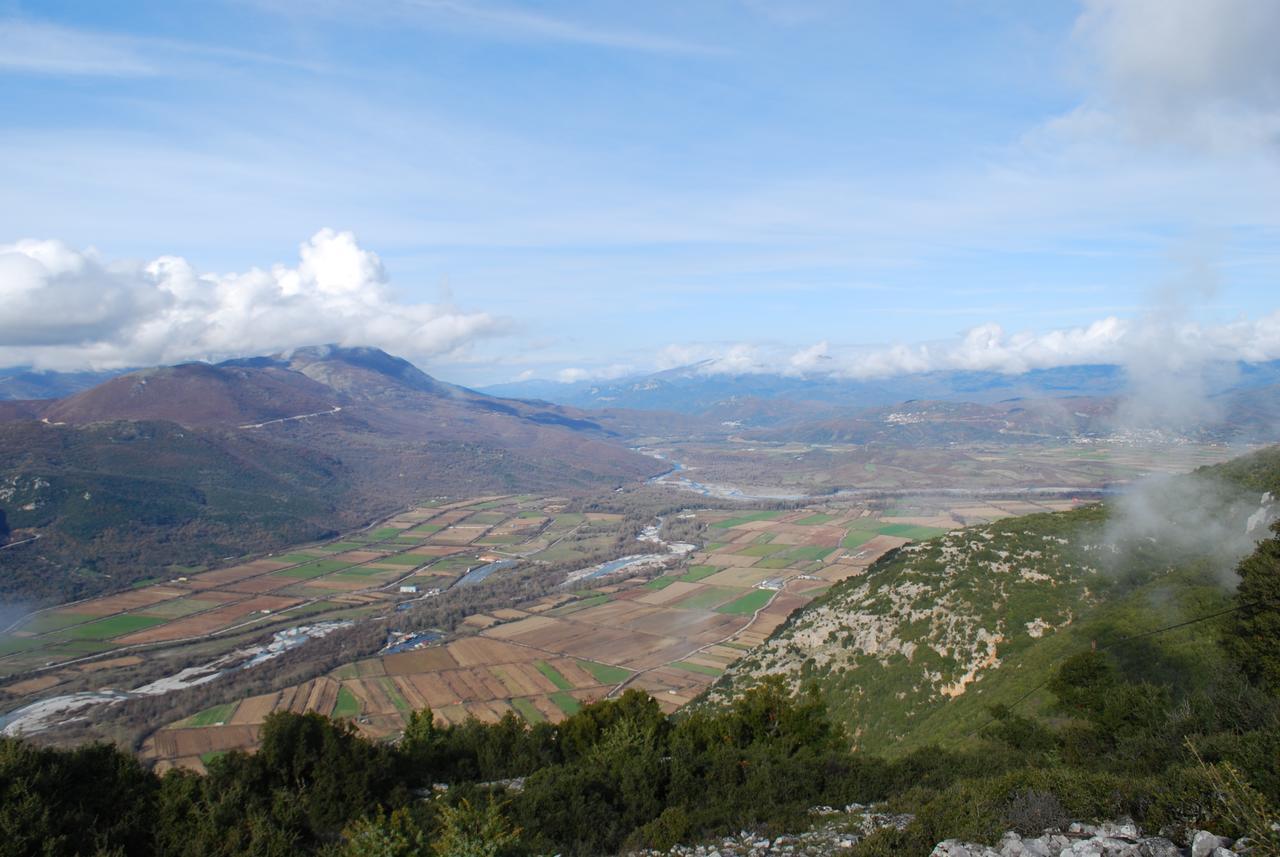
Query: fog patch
1182	519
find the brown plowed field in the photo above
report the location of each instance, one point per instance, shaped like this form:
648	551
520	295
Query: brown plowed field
132	600
255	709
420	660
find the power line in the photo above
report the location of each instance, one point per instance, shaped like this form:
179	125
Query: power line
1121	642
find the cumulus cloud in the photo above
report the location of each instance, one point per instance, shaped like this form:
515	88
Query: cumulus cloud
1205	74
1163	344
574	374
64	308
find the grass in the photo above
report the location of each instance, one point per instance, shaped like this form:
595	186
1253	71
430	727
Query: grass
347	706
554	675
315	568
386	533
489	518
207	758
696	668
46	622
747	604
698	572
566	703
746	519
809	554
528	711
708	598
604	673
914	532
13	645
501	539
179	607
397	698
213	716
762	550
295	558
662	582
814	520
403	559
579	605
857	538
114	626
427	528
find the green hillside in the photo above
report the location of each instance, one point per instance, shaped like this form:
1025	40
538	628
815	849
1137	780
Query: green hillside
915	651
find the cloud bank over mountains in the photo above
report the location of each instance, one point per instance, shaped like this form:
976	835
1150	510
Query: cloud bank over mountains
1150	347
64	308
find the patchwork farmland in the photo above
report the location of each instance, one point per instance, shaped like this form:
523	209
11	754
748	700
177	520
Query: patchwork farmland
671	634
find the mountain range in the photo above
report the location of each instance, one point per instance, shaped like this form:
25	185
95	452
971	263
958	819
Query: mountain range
186	464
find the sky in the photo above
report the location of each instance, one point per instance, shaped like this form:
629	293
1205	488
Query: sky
509	190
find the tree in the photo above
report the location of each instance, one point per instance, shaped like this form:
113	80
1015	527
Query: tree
1252	637
469	831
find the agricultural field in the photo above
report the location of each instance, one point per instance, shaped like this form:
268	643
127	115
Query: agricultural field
411	556
672	634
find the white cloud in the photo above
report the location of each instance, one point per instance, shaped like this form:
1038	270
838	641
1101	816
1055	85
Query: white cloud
49	49
1204	74
1174	346
575	374
64	308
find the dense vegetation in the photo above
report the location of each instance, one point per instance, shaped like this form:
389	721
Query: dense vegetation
919	647
620	774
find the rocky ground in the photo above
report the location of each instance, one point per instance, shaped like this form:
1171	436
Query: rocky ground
1087	840
838	831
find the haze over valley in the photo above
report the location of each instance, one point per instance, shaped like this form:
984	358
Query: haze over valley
484	429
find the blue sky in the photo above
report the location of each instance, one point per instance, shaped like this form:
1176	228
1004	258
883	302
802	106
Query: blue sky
576	189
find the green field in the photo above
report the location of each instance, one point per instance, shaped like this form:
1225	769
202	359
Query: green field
428	529
579	605
206	758
315	568
386	532
697	668
46	622
604	673
566	703
814	520
213	716
397	698
528	711
295	558
698	572
179	607
747	518
910	531
662	582
403	559
554	675
857	538
747	604
761	550
347	705
809	554
501	539
707	599
112	626
772	562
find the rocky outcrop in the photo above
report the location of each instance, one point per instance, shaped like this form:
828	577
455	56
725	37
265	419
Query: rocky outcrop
1122	839
837	832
